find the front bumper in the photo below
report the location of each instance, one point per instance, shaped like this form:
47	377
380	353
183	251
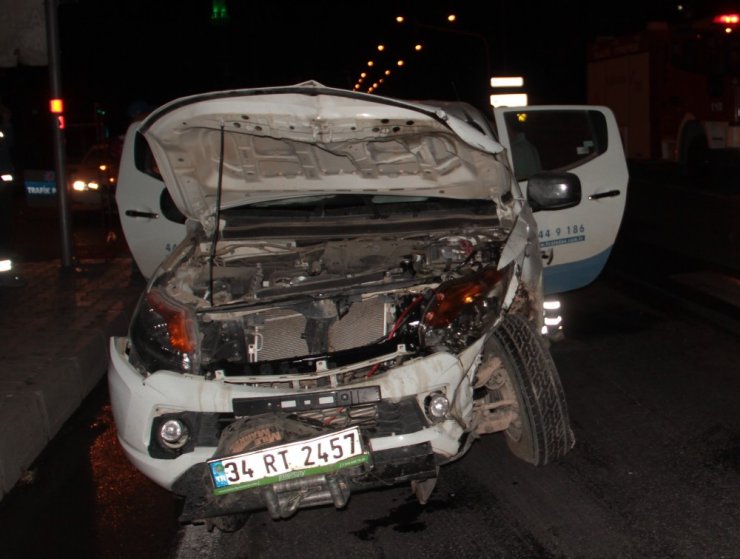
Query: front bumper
404	444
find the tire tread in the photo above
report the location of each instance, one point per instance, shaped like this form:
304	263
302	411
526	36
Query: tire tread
540	389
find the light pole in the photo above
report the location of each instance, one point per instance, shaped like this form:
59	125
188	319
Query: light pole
60	162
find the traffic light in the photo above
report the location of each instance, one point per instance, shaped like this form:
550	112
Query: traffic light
219	13
56	107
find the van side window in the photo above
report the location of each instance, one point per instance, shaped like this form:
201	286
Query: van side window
555	140
144	158
145	163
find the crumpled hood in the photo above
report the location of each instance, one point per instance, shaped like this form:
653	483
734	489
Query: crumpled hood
309	140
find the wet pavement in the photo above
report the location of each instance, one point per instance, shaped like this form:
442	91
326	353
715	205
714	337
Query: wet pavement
653	474
54	332
55	325
82	498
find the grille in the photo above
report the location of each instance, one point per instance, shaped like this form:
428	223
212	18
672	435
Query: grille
282	331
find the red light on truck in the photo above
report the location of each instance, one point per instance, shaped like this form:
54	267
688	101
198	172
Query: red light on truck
727	19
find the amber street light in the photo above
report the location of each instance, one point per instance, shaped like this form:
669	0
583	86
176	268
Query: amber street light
387	72
381	48
451	18
400	63
400	19
370	63
418	47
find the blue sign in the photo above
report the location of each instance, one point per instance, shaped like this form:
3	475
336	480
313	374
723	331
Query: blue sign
42	184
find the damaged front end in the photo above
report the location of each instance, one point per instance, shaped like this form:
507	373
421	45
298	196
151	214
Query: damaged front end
341	364
359	297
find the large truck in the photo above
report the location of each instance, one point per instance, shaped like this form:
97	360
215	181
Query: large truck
675	90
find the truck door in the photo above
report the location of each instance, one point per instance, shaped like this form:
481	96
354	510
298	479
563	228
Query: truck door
151	223
584	140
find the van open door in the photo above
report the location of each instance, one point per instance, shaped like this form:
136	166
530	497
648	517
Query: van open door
575	243
151	223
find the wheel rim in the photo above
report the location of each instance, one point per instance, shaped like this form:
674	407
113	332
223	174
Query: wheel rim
500	388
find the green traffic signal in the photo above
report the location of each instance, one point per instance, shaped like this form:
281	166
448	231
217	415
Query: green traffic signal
219	13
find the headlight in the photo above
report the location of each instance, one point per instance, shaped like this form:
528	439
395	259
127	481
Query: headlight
436	406
173	433
82	186
163	335
461	309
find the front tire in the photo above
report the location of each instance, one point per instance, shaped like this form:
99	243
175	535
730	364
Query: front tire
540	429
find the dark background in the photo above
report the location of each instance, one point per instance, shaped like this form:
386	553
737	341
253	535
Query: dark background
119	53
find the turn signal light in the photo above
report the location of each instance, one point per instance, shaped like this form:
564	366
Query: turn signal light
179	323
453	296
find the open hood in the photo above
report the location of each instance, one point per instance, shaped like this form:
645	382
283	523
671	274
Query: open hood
308	139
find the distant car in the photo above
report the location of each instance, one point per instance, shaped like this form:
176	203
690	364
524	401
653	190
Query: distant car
355	297
9	276
92	182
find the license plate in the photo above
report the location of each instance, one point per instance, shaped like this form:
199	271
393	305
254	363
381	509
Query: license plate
321	455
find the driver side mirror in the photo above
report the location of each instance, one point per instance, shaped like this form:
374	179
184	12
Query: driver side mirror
553	190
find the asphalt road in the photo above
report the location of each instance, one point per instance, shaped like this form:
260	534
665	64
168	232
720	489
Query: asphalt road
652	388
655	471
36	233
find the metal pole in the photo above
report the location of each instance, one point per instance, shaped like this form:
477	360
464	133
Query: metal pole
60	162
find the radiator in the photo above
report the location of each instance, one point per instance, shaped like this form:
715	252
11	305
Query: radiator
281	335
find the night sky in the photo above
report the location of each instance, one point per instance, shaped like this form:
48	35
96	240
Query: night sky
117	52
159	50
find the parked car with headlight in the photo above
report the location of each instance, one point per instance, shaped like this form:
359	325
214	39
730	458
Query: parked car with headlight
92	181
355	296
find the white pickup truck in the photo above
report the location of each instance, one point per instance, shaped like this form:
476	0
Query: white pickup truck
346	290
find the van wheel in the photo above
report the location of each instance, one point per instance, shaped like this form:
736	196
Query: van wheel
539	431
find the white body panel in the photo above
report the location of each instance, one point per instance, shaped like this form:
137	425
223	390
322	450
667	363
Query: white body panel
149	234
136	401
576	242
